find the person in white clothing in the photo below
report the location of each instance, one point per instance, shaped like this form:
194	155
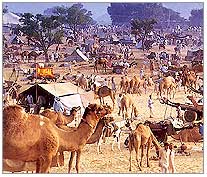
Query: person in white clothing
105	82
171	167
164	158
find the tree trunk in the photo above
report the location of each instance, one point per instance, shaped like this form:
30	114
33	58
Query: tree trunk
143	44
46	56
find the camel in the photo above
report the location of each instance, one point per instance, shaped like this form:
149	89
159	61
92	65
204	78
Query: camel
126	103
124	84
131	85
34	55
29	137
188	135
95	137
167	83
101	61
138	138
138	84
104	92
189	78
60	119
82	82
195	104
18	166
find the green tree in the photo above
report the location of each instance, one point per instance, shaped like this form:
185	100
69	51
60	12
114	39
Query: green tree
43	31
142	28
74	17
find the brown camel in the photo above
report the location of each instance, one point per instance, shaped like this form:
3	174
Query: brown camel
18	166
126	103
82	82
34	55
101	61
138	84
122	86
60	119
95	137
188	135
28	137
140	137
168	84
131	85
104	92
197	106
189	78
126	84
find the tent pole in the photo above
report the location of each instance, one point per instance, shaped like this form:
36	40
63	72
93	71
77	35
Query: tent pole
36	80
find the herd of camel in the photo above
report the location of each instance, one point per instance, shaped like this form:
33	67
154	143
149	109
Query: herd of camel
37	142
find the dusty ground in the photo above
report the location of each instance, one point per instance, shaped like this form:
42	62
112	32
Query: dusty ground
118	162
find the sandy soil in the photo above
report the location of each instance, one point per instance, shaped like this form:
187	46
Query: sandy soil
118	161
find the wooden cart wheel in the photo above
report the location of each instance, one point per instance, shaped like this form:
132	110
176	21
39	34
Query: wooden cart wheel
190	116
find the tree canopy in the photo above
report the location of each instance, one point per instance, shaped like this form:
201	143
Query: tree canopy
43	31
142	28
74	17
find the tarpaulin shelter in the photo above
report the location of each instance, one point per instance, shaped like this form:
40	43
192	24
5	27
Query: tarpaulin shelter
11	18
69	94
77	55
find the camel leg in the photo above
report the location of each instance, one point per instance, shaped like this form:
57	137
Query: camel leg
99	144
100	100
45	167
61	159
38	166
148	151
137	159
78	160
71	161
142	155
130	160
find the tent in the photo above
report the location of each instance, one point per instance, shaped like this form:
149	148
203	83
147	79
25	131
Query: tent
69	94
139	45
77	55
11	18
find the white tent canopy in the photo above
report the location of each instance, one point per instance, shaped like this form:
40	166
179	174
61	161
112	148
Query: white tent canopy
77	55
11	18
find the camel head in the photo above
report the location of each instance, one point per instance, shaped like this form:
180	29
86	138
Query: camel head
74	110
190	97
93	113
107	120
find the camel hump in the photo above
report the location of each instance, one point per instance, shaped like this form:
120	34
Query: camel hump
104	91
19	128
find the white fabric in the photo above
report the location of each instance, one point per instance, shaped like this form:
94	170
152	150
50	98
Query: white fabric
10	18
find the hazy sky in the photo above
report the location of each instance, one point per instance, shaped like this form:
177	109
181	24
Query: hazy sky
97	9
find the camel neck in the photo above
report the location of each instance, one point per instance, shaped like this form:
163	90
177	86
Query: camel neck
97	133
71	141
194	102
